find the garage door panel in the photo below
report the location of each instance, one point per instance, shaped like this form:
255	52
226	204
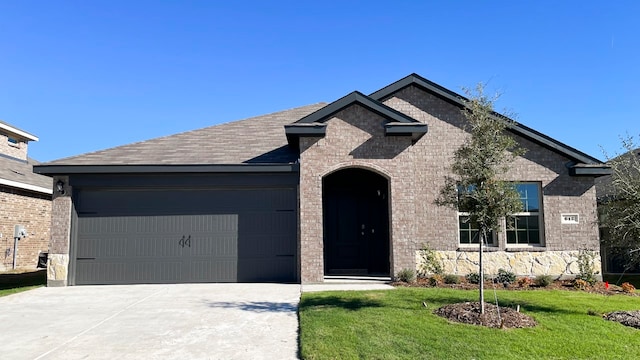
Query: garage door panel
220	270
205	245
263	269
175	202
164	236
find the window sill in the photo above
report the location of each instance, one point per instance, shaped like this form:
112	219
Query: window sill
530	248
474	248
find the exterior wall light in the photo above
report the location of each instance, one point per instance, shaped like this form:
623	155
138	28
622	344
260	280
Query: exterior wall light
60	187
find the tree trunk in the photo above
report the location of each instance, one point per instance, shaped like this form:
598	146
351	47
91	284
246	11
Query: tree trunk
481	271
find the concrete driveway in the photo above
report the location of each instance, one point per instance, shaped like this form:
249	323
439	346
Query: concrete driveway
186	321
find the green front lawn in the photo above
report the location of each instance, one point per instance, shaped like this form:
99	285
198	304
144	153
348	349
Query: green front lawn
395	325
5	292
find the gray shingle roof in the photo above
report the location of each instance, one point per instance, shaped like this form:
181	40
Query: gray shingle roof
22	172
254	140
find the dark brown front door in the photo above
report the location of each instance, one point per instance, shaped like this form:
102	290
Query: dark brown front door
356	223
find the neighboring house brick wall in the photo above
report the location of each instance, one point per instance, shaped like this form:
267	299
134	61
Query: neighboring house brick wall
18	150
31	210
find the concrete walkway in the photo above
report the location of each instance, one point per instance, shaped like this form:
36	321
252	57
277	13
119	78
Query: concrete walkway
346	283
186	321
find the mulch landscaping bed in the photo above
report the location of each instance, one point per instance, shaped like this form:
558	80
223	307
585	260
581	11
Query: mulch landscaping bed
627	318
494	316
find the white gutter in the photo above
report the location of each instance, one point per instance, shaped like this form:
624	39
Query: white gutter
17	131
20	185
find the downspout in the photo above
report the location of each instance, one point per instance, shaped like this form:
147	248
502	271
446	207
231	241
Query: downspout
15	250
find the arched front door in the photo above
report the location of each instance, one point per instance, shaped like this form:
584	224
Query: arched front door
356	223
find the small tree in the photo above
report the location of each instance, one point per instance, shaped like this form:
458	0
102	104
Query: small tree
620	202
478	166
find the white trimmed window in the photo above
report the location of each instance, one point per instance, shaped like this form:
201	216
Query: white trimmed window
470	232
525	228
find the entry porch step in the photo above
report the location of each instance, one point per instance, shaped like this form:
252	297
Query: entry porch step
359	279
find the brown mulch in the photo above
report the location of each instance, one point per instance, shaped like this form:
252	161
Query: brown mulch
469	313
627	318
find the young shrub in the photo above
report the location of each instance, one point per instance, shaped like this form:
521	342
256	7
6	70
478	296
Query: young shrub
543	280
436	280
524	282
431	263
586	262
505	276
473	278
451	279
580	284
628	287
406	275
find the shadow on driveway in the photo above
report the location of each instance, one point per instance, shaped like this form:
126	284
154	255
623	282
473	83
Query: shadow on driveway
257	306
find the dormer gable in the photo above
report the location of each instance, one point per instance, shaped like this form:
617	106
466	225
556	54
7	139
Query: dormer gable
314	124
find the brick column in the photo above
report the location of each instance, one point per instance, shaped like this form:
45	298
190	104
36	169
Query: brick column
58	265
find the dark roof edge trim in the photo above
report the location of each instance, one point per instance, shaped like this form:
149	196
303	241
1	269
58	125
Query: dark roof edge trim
415	130
146	169
551	143
415	79
590	170
306	129
355	97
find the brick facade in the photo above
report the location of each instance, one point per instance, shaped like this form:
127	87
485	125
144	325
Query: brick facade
355	138
31	210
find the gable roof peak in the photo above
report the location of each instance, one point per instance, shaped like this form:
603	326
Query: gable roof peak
461	102
355	97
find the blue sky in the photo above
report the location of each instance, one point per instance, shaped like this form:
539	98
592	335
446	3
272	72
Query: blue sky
89	75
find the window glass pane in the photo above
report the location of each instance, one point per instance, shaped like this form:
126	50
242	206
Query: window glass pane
526	230
522	236
469	232
464	204
530	196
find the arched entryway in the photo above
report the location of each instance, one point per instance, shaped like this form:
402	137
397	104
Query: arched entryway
356	223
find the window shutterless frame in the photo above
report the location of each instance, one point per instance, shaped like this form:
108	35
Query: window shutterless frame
526	227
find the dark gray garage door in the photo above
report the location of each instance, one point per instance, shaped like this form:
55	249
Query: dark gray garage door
176	236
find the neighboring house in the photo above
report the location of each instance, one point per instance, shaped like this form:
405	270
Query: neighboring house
345	188
25	200
614	261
